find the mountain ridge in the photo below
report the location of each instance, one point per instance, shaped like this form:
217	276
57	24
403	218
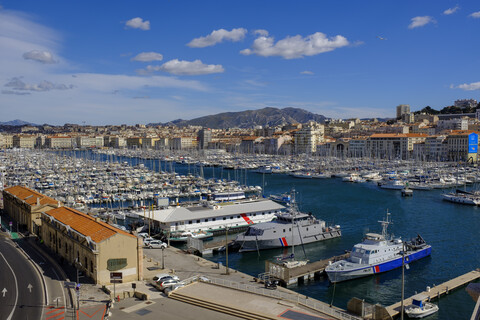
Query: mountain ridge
268	116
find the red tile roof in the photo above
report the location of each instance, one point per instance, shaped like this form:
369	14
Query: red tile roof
29	196
85	224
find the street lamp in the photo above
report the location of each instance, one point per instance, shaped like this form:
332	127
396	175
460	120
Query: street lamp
227	272
163	258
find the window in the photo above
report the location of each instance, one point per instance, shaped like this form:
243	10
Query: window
283	230
198	221
190	222
91	266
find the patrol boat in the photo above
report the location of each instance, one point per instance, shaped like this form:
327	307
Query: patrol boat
376	254
289	228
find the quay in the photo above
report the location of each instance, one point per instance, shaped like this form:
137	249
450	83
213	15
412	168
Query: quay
437	291
292	275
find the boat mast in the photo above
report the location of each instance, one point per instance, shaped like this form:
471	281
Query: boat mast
385	224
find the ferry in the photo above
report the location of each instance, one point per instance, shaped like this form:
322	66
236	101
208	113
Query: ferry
289	228
376	254
213	217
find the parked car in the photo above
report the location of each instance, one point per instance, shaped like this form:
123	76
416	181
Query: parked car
159	277
166	284
147	240
143	235
156	244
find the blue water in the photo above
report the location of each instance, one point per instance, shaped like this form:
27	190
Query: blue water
451	229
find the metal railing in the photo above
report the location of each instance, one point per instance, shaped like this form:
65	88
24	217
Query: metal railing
278	294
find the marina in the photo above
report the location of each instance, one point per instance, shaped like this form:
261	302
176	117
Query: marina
354	206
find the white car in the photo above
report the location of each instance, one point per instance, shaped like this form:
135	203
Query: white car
143	235
157	244
159	277
147	240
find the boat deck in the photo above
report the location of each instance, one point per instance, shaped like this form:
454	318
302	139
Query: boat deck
437	291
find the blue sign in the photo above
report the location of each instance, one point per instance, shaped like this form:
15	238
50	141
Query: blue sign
473	143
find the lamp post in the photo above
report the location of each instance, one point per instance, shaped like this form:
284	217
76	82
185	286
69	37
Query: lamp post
163	258
227	272
403	280
77	287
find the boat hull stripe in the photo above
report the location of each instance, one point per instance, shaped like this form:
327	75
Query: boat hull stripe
247	219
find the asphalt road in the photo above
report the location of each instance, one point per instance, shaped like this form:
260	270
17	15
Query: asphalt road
21	292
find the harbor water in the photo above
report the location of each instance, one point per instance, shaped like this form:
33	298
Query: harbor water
451	229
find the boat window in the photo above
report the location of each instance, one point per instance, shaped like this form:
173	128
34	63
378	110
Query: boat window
190	222
224	218
206	220
231	217
213	219
367	252
198	221
283	230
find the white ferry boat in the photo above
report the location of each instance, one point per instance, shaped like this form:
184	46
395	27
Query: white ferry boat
291	228
377	254
212	216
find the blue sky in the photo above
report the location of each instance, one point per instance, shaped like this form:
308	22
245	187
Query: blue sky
114	62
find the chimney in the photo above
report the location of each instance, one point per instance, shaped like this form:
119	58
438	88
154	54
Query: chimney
59	204
38	201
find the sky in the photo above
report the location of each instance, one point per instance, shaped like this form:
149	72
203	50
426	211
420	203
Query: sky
128	62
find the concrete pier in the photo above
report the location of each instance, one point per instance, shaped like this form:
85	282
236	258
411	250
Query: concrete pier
301	273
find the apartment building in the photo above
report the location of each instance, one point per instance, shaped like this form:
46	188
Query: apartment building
24	141
58	142
308	137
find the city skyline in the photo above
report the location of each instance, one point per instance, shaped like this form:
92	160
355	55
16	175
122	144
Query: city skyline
112	63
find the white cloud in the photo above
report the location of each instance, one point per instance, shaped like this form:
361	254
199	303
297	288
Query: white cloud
147	57
467	86
17	84
138	23
307	72
475	15
420	22
450	11
296	47
181	67
261	32
40	56
218	36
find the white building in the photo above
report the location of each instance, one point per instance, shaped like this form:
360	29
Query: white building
308	137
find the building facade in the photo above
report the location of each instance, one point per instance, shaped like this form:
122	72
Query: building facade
92	246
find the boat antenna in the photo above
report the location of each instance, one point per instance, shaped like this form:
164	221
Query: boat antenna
385	224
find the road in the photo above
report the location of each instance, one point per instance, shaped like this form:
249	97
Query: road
21	293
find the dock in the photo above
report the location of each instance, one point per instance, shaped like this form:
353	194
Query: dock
437	291
301	273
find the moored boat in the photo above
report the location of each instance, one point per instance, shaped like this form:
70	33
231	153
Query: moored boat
377	253
420	308
290	228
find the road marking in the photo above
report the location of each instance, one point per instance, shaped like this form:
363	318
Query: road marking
4	291
138	306
102	308
16	288
29	287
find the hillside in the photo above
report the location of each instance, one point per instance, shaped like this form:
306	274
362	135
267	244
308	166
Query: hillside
251	118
